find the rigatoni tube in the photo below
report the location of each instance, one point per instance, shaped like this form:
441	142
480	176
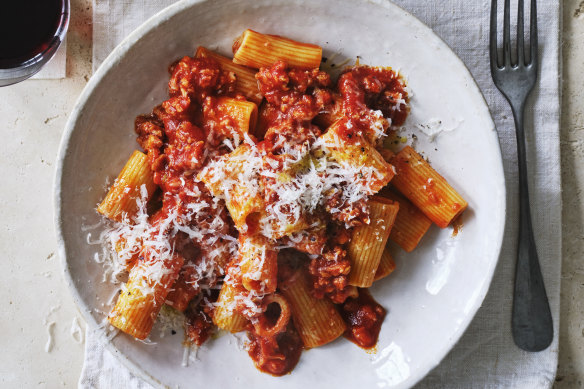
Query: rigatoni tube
258	50
246	84
427	189
410	224
368	241
121	197
316	320
386	265
225	315
144	294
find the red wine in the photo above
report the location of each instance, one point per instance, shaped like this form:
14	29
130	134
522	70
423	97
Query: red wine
28	28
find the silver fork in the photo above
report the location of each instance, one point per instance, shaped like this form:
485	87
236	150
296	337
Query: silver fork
531	321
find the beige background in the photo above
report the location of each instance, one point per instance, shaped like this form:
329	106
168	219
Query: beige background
34	301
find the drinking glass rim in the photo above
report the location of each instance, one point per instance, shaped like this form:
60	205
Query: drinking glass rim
51	48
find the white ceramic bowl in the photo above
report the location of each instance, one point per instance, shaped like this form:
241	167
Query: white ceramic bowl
435	291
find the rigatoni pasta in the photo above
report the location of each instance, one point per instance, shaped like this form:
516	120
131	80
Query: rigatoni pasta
275	220
266	326
245	204
359	154
258	264
386	265
317	320
121	198
427	189
368	241
143	296
238	115
257	50
410	223
246	83
184	289
225	316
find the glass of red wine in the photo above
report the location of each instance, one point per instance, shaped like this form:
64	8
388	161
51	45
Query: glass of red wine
30	34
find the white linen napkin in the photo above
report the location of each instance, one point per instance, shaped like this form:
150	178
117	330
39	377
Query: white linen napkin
486	356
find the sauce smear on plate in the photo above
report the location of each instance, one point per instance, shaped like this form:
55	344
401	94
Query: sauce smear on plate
363	316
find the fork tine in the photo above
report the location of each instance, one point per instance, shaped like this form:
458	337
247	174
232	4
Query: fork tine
507	33
533	34
520	43
493	35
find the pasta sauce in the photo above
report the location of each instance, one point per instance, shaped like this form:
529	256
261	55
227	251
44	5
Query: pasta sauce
276	355
363	316
266	218
365	88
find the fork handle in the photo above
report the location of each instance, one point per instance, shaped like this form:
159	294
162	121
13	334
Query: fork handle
532	320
